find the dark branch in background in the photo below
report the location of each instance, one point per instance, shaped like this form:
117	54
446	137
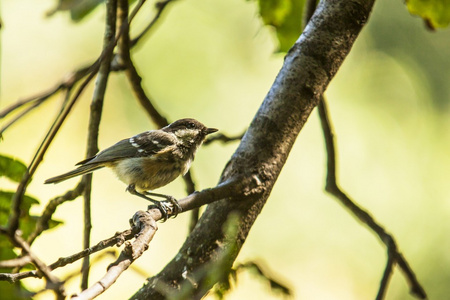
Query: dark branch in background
21	114
13	222
35	101
160	6
130	70
43	221
386	274
190	188
135	81
332	187
94	124
220	137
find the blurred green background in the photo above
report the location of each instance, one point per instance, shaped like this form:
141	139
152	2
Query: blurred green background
215	61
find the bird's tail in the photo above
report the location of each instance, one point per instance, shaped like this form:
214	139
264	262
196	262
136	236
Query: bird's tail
78	171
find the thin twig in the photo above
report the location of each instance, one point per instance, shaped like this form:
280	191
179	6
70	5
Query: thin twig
190	188
52	281
131	252
42	222
131	72
386	275
94	125
333	188
19	116
32	100
13	222
220	137
18	262
90	71
117	240
228	189
160	6
66	84
362	215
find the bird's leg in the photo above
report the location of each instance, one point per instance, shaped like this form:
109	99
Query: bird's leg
160	205
176	207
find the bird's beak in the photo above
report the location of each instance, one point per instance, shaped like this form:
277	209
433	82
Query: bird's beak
211	130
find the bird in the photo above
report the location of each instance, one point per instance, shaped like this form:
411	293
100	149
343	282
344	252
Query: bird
149	160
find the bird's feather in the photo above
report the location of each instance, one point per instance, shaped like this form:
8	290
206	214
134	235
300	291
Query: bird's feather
137	146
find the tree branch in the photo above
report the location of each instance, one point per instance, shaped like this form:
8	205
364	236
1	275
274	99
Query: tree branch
130	70
94	124
117	240
131	252
308	68
18	262
52	281
160	6
220	137
13	221
362	215
42	222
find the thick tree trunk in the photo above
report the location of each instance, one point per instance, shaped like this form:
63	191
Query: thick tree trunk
308	68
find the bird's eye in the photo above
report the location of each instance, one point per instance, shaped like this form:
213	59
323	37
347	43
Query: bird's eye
190	125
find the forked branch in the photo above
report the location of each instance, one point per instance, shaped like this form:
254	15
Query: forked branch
332	187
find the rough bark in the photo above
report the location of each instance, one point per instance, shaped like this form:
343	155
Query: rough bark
308	68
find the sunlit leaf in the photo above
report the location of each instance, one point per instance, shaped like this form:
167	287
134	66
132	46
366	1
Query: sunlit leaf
11	168
286	17
274	12
436	13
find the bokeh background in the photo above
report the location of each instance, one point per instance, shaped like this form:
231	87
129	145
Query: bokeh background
215	61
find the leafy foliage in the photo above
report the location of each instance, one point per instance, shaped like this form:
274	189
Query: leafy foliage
11	168
286	17
14	170
436	13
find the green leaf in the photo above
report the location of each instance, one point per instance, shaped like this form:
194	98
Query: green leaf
12	168
5	206
27	221
9	291
436	13
274	12
13	292
78	8
286	17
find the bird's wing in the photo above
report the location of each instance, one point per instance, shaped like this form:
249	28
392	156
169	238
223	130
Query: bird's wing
143	144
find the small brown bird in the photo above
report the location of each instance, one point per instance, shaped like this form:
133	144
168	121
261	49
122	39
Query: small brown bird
149	160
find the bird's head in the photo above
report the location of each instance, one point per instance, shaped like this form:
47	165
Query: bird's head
189	132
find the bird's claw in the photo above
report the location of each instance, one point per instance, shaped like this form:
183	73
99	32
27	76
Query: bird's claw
169	208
